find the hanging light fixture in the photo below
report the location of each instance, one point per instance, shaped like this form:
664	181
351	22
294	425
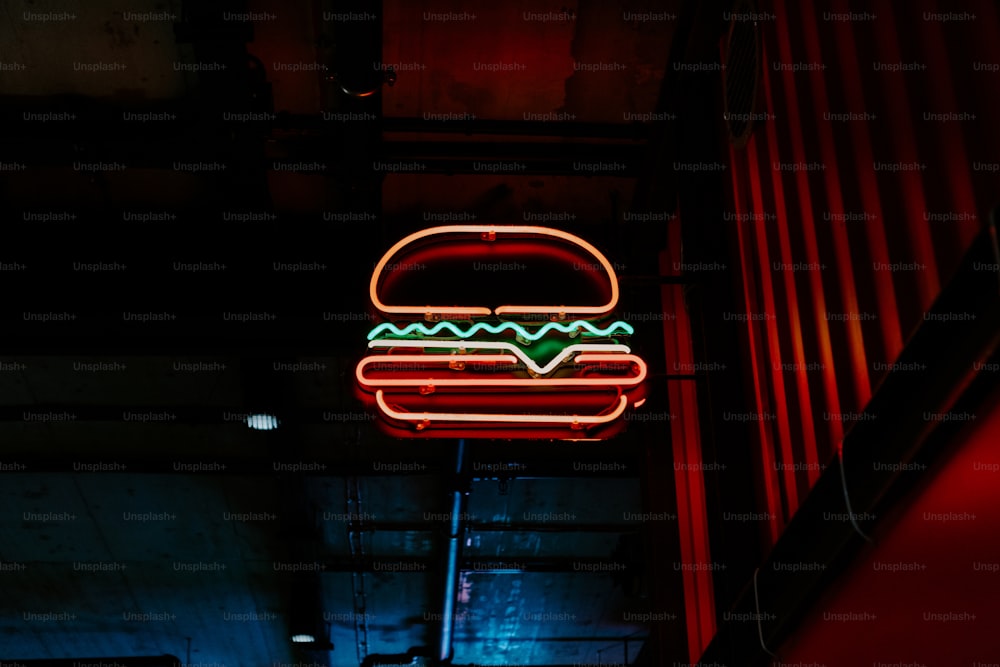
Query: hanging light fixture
262	422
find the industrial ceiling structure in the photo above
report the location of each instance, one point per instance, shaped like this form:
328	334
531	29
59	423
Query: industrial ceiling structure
219	209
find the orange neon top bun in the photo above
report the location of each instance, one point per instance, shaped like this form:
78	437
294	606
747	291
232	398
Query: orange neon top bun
563	245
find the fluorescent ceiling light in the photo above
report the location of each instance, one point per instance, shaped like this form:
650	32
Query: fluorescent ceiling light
263	423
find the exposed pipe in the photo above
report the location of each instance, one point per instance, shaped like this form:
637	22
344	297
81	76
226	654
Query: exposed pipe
454	551
356	542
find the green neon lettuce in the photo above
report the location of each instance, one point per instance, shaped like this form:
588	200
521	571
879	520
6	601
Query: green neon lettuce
419	328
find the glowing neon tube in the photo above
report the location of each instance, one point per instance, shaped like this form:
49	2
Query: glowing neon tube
529	369
623	328
564	355
489	233
596	383
430	417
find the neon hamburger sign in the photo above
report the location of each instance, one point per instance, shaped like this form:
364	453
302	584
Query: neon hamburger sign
494	331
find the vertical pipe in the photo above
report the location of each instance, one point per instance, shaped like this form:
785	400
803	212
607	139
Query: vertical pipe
871	195
695	547
785	87
772	483
855	354
908	184
770	337
454	547
791	296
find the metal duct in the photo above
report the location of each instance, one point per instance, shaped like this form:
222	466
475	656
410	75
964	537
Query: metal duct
455	529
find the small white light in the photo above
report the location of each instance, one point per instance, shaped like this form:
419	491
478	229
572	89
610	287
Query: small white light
262	423
303	639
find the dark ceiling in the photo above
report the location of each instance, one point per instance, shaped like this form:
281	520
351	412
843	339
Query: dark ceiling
140	515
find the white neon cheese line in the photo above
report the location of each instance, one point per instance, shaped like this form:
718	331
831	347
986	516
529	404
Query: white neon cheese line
503	345
502	382
491	232
502	418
